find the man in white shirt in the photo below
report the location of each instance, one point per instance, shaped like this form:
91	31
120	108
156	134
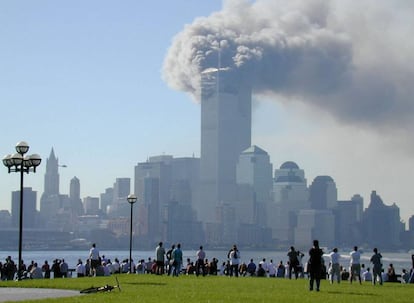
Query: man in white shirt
200	265
366	275
355	264
335	269
94	258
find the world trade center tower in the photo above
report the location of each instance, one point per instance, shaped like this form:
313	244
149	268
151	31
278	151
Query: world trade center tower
225	132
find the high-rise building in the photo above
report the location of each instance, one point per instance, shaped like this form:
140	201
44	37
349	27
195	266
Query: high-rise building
29	209
50	201
74	197
107	199
91	205
381	222
254	168
225	133
323	193
290	195
52	175
348	217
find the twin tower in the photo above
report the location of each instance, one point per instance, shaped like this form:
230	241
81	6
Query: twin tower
226	111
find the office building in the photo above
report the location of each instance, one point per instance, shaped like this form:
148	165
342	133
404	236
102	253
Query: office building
29	208
225	133
290	195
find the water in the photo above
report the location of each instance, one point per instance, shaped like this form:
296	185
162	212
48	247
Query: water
399	260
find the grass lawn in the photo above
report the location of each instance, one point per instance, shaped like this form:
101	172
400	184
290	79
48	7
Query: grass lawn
156	289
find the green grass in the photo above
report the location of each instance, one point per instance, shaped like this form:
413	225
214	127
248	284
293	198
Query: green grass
156	289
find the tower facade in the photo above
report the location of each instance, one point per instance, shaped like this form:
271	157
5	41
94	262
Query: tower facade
52	175
29	209
225	133
50	199
74	197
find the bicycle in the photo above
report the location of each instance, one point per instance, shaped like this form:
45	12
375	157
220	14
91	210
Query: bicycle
105	288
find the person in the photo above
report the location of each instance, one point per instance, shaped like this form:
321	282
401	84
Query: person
116	267
271	269
293	262
344	274
80	269
9	269
405	276
377	267
56	268
213	267
46	270
261	271
140	267
106	270
159	259
234	256
264	265
251	268
355	264
201	255
63	269
177	255
280	271
35	272
335	268
367	276
315	265
392	277
94	259
243	269
299	268
170	260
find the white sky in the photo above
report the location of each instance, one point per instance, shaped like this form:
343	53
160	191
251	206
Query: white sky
84	77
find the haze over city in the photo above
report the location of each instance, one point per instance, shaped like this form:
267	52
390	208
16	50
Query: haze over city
109	84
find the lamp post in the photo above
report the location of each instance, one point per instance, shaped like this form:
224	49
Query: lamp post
21	164
131	200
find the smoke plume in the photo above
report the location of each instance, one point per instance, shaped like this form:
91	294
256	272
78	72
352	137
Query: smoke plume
352	59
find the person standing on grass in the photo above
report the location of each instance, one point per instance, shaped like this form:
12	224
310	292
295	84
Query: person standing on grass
94	259
234	256
335	269
177	256
377	267
315	265
159	259
200	265
355	264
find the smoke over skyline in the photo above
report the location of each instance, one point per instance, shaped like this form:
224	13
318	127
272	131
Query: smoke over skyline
352	60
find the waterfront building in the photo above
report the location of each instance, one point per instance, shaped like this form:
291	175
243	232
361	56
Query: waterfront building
382	224
323	193
290	195
50	201
29	210
225	134
74	197
348	218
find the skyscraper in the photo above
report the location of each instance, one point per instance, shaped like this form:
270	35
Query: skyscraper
74	197
29	209
50	200
225	133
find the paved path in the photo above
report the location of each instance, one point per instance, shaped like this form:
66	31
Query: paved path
19	294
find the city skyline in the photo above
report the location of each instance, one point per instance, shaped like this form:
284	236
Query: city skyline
88	79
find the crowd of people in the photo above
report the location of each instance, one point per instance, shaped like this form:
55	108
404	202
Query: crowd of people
170	262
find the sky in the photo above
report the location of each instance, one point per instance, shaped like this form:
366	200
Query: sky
108	84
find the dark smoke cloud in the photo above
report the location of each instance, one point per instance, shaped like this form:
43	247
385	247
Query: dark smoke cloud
350	58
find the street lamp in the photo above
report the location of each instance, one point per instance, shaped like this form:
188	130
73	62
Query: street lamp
131	200
22	164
